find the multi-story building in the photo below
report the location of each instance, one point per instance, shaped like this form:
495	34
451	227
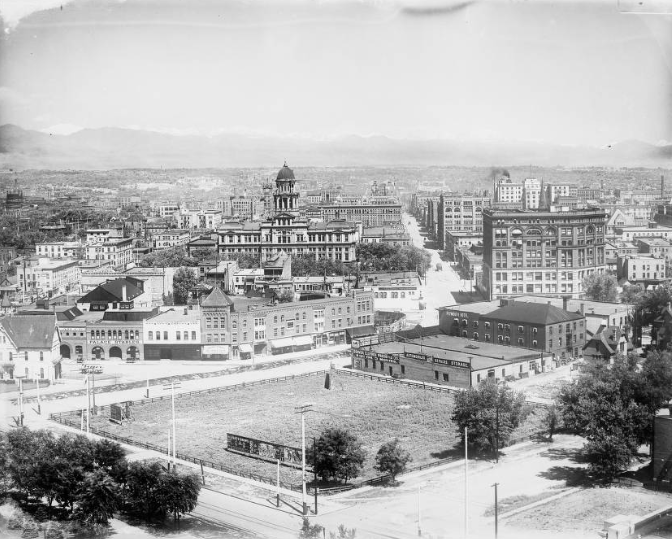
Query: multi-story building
117	334
642	268
508	192
653	230
30	347
171	238
369	211
174	333
286	231
543	252
203	219
389	235
48	276
124	293
393	291
168	210
59	249
537	326
98	236
531	194
118	251
655	246
460	213
236	326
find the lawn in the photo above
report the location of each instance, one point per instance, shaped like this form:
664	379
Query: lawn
375	412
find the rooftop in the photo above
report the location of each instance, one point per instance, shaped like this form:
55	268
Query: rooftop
177	314
480	355
30	331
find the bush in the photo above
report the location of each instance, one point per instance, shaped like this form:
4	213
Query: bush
392	458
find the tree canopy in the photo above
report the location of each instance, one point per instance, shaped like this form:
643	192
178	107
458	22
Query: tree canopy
613	407
490	412
392	458
337	454
600	287
385	257
168	258
183	281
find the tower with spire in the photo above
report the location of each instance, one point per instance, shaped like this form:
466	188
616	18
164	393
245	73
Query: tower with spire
285	199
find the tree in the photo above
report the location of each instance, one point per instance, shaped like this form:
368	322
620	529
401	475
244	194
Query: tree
338	454
607	455
183	281
551	421
600	287
178	494
616	402
168	258
286	296
490	412
98	498
392	458
343	533
310	531
632	294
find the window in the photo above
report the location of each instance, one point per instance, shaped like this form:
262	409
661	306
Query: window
177	335
150	336
186	335
41	356
534	344
446	377
436	375
208	323
193	335
165	335
11	357
475	336
520	342
158	335
520	329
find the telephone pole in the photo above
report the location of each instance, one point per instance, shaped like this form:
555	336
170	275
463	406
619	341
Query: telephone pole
302	410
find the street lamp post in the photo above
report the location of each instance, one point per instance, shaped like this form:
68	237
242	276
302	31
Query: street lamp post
302	410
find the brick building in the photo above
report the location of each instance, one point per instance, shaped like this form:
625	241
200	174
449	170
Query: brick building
541	252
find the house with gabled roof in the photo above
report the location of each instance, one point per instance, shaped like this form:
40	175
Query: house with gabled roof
606	343
29	347
123	293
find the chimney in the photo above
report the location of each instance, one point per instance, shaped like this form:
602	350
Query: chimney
123	293
582	308
565	302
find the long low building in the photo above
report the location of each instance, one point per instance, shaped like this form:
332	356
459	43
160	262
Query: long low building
445	360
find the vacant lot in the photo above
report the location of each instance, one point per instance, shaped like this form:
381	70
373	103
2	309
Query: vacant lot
375	412
585	511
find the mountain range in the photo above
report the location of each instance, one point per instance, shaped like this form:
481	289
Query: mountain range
109	148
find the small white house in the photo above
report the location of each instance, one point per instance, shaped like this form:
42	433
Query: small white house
30	347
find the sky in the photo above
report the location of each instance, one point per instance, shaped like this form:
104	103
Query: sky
552	72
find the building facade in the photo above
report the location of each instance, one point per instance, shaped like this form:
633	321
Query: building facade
541	252
460	213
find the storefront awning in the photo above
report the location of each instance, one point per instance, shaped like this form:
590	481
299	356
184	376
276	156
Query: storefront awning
247	348
303	340
364	331
282	343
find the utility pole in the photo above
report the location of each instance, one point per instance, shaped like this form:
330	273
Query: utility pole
497	429
496	515
21	401
466	484
172	399
302	410
315	473
88	406
39	404
419	524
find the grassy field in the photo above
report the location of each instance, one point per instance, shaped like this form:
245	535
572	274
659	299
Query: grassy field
585	511
375	412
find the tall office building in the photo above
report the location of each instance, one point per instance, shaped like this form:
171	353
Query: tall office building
541	252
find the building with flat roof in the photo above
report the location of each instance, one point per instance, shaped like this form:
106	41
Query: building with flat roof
648	269
445	360
48	276
541	252
459	213
537	326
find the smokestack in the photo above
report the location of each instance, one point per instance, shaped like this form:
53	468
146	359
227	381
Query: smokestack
123	293
582	308
565	302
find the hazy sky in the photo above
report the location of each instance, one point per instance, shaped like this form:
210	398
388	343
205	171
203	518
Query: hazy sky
543	71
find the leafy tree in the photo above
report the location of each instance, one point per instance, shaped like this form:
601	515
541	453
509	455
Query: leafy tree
98	498
310	531
168	258
607	455
286	296
632	294
178	493
246	261
183	281
168	299
384	257
392	458
653	301
338	454
142	487
617	402
600	287
490	412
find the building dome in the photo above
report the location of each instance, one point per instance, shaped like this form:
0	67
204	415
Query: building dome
285	173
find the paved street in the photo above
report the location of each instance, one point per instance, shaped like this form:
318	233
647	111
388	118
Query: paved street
439	285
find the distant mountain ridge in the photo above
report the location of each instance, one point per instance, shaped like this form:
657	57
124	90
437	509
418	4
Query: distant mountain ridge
112	147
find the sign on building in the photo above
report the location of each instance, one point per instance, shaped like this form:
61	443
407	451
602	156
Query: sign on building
120	412
91	369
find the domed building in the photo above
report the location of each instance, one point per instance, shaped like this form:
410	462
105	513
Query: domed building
287	231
